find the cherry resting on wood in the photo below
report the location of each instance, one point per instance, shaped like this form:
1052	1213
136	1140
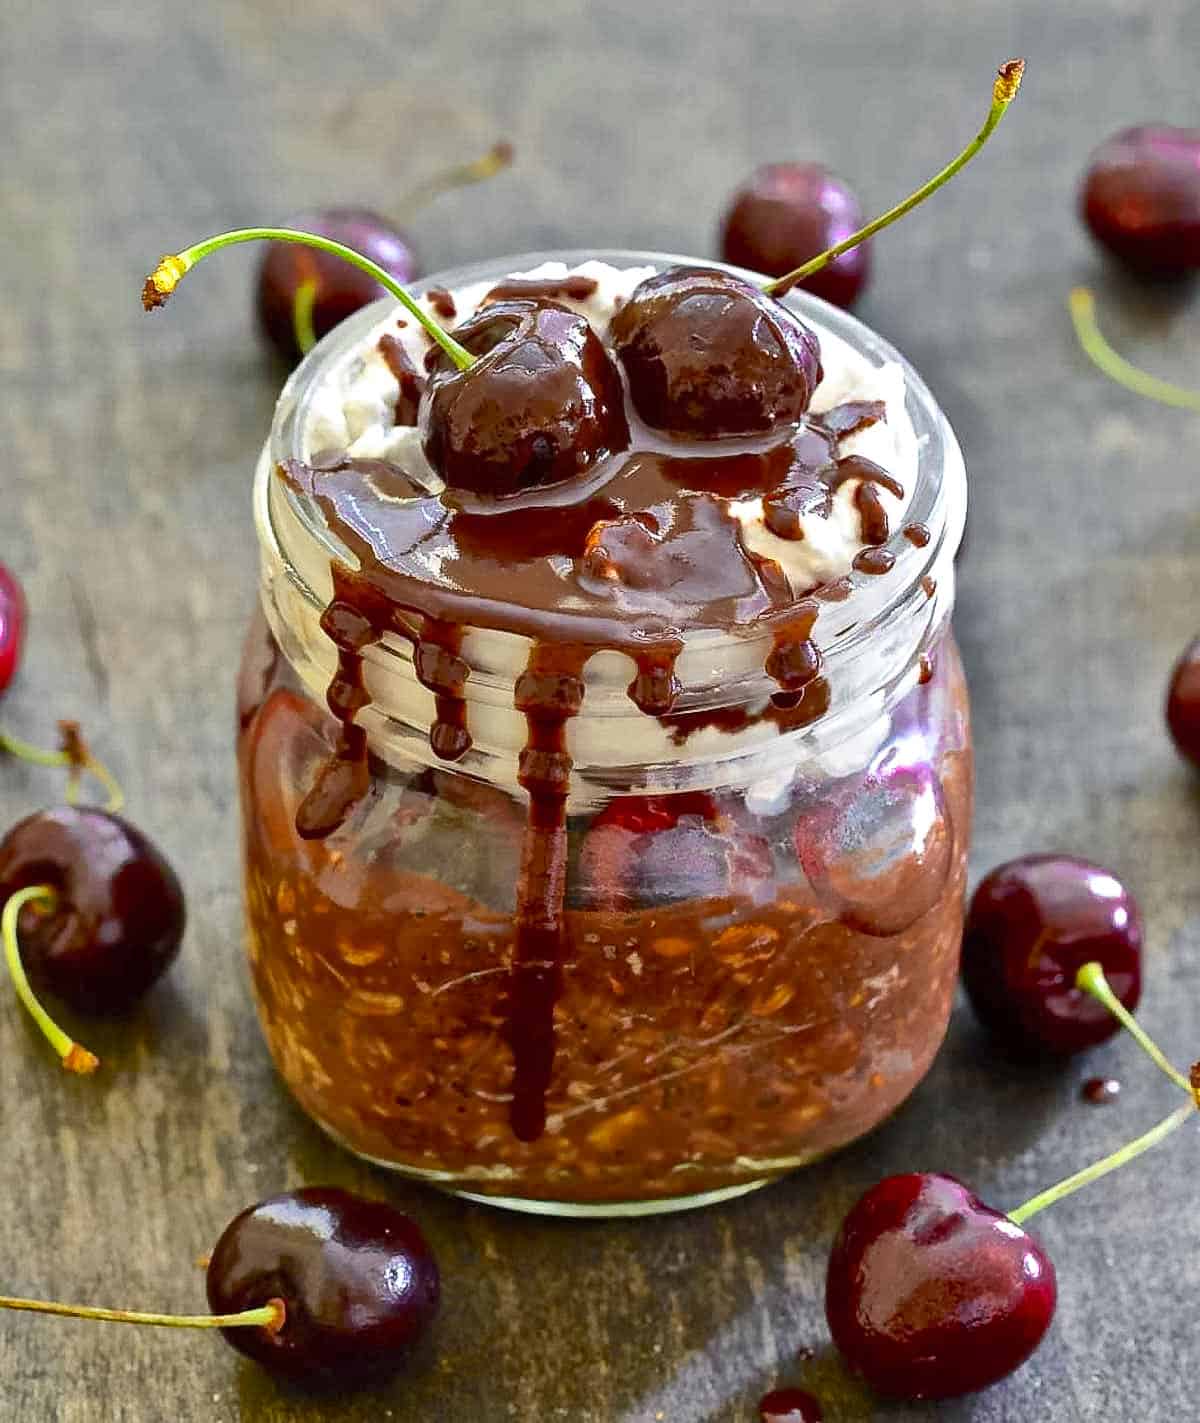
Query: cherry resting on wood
1141	198
1183	704
299	288
117	917
930	1293
319	1287
1032	924
12	625
789	212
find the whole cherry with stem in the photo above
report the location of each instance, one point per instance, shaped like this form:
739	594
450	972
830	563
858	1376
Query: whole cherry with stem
320	1287
930	1293
301	295
92	911
708	355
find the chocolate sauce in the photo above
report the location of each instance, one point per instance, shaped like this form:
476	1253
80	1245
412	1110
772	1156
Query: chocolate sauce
1100	1091
574	286
929	585
916	534
925	669
442	303
412	384
647	550
875	560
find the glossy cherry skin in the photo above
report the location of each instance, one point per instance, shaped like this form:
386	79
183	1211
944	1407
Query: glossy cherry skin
119	917
341	289
1141	198
789	1405
1032	924
1183	704
542	403
708	354
12	625
790	212
357	1278
930	1293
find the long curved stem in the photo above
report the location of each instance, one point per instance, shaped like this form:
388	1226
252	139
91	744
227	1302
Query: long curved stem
1092	980
174	267
270	1316
498	157
1082	306
1101	1168
74	1057
73	760
302	316
1004	91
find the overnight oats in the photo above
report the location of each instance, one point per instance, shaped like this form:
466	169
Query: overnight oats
605	758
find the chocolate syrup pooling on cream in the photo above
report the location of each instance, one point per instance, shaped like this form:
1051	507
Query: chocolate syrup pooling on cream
648	551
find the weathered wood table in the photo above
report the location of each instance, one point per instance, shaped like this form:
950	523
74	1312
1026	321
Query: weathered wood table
127	447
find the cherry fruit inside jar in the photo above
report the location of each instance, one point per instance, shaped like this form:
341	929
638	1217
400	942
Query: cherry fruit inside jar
605	840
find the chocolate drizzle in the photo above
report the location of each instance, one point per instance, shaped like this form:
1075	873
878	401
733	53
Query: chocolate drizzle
573	286
647	551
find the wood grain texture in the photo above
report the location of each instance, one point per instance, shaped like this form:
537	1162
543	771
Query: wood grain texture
127	448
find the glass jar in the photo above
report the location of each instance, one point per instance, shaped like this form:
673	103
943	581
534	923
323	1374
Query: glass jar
760	938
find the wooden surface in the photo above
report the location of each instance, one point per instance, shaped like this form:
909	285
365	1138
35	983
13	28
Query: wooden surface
128	443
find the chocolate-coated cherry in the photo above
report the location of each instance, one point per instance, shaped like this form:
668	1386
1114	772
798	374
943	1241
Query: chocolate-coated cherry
708	355
12	625
302	294
930	1293
1033	923
1183	704
358	1281
542	403
1141	198
789	212
92	913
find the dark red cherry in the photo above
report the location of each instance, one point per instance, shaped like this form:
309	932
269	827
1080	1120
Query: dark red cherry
708	354
119	914
930	1293
1183	704
1033	923
357	1278
790	212
789	1405
1141	198
341	289
12	625
542	404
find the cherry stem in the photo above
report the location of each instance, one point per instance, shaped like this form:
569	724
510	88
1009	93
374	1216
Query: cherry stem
497	158
174	267
75	756
1102	1168
74	1057
302	316
271	1316
1004	91
1082	306
1092	980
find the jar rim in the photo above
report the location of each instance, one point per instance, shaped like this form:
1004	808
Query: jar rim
918	588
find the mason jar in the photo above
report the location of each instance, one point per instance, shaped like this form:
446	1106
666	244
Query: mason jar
762	917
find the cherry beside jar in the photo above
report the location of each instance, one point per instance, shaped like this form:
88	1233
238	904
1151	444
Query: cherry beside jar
760	908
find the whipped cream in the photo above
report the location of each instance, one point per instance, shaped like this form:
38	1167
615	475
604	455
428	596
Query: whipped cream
354	410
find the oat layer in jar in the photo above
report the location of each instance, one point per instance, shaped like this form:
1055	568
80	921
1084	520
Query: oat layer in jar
605	846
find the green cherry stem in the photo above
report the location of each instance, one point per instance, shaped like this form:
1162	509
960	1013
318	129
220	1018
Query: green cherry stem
302	316
1091	979
1004	91
1101	1168
1082	306
75	756
174	267
271	1316
498	157
73	1057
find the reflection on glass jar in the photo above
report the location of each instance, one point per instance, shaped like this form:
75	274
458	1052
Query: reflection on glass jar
758	928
